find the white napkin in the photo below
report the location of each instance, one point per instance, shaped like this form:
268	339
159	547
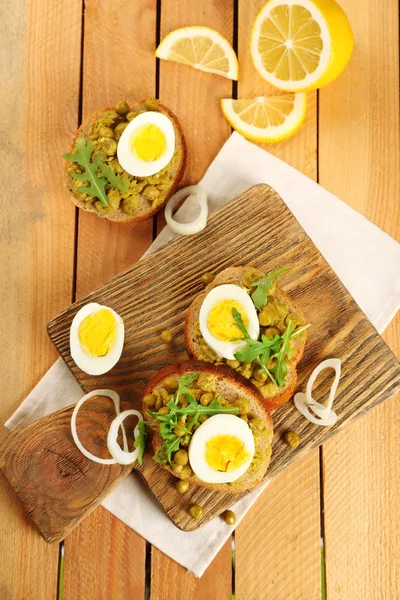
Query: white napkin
357	250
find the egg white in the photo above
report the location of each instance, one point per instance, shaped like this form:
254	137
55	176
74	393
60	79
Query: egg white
219	425
93	365
126	156
227	292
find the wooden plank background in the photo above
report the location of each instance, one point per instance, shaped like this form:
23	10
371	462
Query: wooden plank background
60	60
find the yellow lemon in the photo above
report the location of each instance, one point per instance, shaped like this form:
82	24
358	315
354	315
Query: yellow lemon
301	45
202	48
266	119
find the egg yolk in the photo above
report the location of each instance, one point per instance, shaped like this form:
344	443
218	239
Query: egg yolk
148	143
225	453
220	322
98	333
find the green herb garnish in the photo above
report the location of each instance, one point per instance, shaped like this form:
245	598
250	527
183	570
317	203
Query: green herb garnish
140	441
168	423
267	349
96	184
183	386
114	179
263	287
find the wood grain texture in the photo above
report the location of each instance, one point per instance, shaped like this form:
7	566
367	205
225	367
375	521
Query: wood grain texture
370	372
194	96
118	62
39	69
103	560
261	558
300	151
55	482
170	580
267	564
359	139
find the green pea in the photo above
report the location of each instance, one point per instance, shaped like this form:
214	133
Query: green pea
170	385
196	512
180	429
122	107
206	398
207	278
149	401
229	517
182	486
260	375
177	469
166	336
292	439
106	132
181	457
186	472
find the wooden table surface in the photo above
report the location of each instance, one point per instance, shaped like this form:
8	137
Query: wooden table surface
62	59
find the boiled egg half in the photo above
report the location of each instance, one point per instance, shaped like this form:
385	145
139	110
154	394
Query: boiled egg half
147	144
221	449
217	325
96	338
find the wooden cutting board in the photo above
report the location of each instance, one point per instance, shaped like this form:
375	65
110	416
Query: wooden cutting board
58	485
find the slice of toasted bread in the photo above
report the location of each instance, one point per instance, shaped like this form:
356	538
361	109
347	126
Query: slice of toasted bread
145	209
231	386
196	348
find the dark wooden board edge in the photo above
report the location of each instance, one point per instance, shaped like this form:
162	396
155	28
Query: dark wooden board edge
391	385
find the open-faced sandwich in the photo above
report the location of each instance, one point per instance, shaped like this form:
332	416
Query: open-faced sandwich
245	320
209	426
126	161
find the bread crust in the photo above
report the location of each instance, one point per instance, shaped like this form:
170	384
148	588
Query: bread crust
242	387
119	216
234	275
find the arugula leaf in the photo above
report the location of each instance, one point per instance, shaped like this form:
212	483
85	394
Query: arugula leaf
263	286
267	349
280	369
239	323
140	441
301	329
183	386
114	179
95	183
82	158
215	407
168	423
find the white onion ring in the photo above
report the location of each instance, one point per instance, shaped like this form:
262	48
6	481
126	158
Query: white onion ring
199	222
302	405
116	399
305	403
122	456
320	409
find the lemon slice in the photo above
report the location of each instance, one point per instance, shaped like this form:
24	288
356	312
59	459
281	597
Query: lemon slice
301	45
266	119
202	48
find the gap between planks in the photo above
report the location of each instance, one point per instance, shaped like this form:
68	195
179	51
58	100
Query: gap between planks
61	553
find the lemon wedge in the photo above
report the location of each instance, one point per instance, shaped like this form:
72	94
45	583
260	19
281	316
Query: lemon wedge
202	48
301	45
266	119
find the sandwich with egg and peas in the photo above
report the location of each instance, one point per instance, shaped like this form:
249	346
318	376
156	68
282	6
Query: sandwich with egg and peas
245	320
209	427
126	161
